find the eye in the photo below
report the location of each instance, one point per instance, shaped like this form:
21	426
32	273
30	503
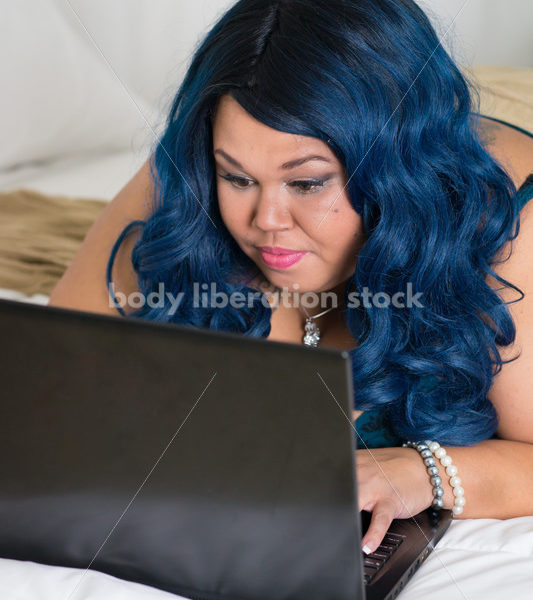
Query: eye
240	183
308	186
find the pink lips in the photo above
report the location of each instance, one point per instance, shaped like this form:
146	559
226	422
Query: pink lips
277	250
280	258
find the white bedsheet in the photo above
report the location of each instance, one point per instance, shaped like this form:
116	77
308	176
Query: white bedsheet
8	294
477	559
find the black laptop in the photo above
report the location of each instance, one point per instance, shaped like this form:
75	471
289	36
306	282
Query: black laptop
208	464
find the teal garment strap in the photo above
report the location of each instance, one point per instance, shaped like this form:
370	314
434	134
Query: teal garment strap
520	129
525	193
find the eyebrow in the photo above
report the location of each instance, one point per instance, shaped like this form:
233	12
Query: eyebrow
285	166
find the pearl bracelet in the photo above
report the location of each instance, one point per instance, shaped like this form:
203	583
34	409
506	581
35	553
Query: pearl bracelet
451	470
425	452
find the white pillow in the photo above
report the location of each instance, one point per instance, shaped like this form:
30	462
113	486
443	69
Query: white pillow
58	94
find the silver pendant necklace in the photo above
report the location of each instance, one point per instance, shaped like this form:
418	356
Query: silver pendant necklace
312	332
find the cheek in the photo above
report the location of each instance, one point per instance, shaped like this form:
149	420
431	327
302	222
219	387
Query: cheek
340	232
232	214
346	250
347	231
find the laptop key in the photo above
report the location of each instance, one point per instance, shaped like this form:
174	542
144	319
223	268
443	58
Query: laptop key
393	538
391	542
387	548
372	563
383	556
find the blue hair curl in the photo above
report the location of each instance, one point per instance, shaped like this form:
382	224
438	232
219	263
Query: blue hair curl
370	78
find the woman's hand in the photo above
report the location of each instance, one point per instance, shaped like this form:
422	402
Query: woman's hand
392	483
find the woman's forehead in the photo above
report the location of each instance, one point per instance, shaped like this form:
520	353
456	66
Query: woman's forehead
235	131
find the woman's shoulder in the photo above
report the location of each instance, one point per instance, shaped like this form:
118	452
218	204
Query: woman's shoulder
83	285
511	147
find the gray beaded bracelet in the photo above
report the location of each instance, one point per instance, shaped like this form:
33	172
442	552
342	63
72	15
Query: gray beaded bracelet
451	470
433	471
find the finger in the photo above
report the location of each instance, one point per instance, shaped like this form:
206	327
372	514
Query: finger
365	502
382	516
366	487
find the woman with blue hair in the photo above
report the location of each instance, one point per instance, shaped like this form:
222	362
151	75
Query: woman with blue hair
333	146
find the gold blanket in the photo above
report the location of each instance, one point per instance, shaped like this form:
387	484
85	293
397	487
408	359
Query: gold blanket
39	236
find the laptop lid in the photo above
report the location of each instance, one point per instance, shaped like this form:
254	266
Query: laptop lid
204	463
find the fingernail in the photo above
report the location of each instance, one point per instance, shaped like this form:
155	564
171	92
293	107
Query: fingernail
367	550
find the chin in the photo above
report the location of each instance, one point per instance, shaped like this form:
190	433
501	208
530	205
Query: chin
292	282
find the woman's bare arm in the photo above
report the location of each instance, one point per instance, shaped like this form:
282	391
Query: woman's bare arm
83	285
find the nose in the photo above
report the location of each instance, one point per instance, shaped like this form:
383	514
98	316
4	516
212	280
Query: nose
272	212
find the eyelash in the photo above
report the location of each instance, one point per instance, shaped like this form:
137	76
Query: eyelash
316	184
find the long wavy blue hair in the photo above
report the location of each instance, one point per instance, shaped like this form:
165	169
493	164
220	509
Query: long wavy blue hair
369	78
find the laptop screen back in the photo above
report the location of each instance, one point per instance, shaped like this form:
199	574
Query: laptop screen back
199	462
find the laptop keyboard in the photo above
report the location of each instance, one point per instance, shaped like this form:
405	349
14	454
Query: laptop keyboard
372	563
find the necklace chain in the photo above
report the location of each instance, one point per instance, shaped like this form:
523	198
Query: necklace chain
320	314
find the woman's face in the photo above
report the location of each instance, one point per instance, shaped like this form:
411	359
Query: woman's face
264	201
